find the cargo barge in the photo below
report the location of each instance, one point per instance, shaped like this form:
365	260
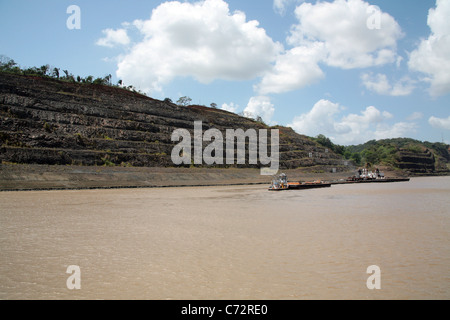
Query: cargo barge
280	183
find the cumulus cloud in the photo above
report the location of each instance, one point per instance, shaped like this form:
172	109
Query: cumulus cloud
415	116
326	118
397	130
432	55
336	34
320	119
231	107
343	28
280	5
440	123
380	84
294	69
203	40
113	38
260	106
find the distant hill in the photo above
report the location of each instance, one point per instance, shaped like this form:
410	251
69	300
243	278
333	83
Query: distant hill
416	157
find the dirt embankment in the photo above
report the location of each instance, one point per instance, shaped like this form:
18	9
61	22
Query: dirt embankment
46	177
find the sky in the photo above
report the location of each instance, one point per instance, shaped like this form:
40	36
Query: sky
352	70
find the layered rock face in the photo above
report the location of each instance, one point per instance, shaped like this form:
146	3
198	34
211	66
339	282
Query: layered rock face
46	121
424	162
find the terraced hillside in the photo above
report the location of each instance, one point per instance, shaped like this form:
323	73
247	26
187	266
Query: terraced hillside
47	121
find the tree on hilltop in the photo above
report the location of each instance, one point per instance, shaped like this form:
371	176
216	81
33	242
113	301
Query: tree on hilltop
184	101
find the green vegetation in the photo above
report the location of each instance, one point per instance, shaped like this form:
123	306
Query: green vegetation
107	162
8	65
184	101
126	164
48	128
384	152
260	120
326	142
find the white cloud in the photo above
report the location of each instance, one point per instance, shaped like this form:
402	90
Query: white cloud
397	130
440	123
113	38
399	61
342	26
325	118
260	106
280	5
231	107
320	119
403	87
432	57
202	40
335	34
415	116
380	84
295	69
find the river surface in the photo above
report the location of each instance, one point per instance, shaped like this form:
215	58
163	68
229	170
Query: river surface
240	242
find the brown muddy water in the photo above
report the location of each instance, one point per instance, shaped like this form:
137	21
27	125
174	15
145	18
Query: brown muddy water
231	242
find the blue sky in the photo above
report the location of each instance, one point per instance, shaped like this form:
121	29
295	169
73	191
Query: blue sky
353	70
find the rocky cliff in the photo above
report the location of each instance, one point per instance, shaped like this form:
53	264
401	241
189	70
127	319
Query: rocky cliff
422	162
46	121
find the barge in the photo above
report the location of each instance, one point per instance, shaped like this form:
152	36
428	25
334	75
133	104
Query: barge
280	183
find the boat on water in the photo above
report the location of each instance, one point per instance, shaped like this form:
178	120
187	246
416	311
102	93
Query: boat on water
308	185
366	176
280	183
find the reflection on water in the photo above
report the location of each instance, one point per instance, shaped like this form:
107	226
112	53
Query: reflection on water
228	242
